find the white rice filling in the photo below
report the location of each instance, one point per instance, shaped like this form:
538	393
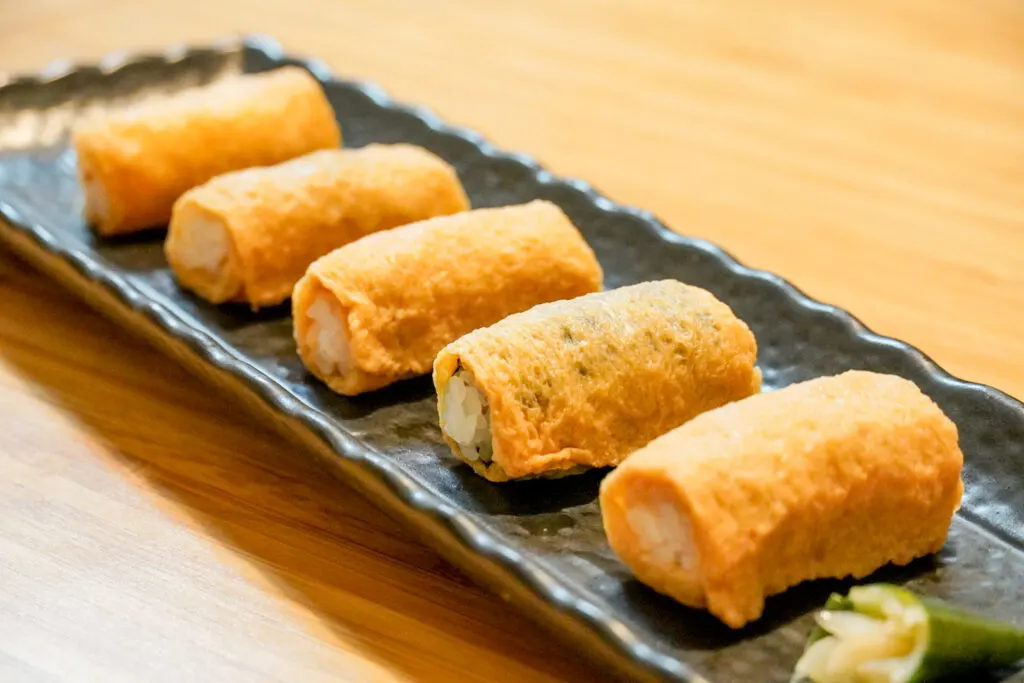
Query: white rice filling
865	649
201	244
465	418
97	203
665	536
327	337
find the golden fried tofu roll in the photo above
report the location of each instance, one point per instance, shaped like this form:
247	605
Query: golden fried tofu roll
250	235
583	383
133	164
379	310
834	477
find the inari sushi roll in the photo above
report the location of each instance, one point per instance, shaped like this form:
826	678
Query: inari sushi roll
583	383
133	164
831	478
379	310
249	236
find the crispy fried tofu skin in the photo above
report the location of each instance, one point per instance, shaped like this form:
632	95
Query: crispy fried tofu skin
250	235
378	310
134	163
834	477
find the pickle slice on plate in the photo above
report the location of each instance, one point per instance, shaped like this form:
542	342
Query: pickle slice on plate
886	634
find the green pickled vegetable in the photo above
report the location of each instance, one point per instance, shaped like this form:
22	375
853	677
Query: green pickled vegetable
886	634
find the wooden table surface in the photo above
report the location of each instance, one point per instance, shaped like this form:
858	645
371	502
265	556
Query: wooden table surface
871	152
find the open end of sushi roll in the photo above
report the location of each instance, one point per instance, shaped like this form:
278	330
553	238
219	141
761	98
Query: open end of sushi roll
325	338
882	640
97	205
465	417
664	537
649	528
203	244
97	199
199	250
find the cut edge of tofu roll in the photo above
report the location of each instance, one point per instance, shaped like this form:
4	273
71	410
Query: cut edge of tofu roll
97	203
465	417
98	209
327	337
465	421
324	340
660	536
201	252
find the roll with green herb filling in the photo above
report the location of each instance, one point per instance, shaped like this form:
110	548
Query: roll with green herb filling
582	383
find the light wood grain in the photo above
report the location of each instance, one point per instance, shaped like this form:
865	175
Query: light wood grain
871	152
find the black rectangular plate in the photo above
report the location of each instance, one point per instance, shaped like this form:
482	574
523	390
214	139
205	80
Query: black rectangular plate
538	544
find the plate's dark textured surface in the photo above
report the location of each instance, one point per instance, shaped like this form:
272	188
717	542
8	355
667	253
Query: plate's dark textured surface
539	543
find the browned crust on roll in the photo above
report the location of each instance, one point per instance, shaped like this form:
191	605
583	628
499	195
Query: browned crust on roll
407	292
583	383
136	162
282	218
830	478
